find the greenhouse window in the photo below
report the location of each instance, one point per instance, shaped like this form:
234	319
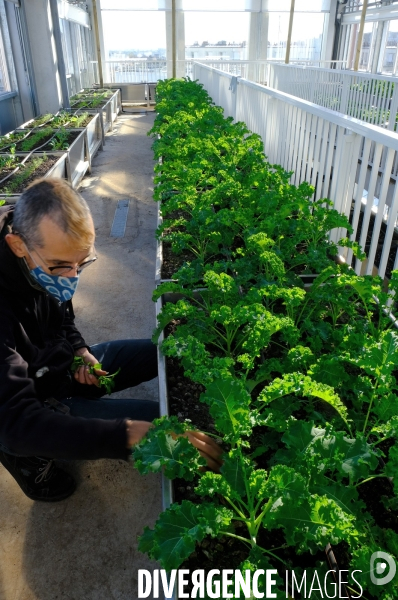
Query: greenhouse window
4	78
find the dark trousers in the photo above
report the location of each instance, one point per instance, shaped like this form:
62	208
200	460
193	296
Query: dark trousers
137	360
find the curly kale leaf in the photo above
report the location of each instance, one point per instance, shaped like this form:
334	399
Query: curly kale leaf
323	451
302	385
178	529
161	448
229	404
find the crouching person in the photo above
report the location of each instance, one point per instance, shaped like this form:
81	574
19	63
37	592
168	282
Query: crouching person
49	410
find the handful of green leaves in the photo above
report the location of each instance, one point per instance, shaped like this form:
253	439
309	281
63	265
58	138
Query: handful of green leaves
105	381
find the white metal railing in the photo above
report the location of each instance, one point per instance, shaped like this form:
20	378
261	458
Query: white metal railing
370	98
345	159
135	70
259	70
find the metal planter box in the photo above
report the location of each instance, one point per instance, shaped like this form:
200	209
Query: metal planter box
79	161
94	136
78	158
167	489
59	169
159	251
116	105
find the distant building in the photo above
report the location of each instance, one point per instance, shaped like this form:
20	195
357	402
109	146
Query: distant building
218	51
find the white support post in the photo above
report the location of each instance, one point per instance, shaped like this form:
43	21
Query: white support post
360	35
329	30
175	40
289	32
258	43
97	22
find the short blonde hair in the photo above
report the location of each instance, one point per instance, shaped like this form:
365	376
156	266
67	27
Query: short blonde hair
56	199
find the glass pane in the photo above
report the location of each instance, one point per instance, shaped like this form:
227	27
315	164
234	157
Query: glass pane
220	5
390	49
134	35
66	46
366	50
279	6
277	35
4	81
299	5
312	5
307	36
131	4
218	36
188	5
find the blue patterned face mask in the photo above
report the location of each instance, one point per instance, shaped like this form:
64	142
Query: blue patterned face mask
61	288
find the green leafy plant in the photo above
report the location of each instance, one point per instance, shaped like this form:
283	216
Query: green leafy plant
60	140
105	381
299	383
35	139
11	139
8	161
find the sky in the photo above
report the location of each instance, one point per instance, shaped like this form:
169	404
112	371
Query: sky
125	30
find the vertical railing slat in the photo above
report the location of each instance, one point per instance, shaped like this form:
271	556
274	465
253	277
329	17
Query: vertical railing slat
380	212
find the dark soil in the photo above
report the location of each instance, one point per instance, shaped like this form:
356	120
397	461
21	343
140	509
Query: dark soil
372	493
39	172
5	172
184	397
172	262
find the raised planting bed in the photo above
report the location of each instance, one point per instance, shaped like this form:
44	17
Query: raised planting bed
91	101
109	95
219	408
72	141
47	139
29	168
298	385
69	120
91	122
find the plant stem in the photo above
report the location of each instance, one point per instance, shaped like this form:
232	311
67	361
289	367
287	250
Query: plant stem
369	479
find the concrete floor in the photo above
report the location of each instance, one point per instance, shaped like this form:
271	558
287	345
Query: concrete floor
85	547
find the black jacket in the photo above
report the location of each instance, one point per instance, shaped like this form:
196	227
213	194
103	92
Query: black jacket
37	331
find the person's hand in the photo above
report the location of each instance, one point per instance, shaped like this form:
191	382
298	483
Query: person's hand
82	374
207	447
136	430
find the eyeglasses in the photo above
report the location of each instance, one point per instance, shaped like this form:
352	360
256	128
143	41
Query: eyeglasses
62	269
65	269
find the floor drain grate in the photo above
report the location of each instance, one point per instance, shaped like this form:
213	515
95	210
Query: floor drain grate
120	219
